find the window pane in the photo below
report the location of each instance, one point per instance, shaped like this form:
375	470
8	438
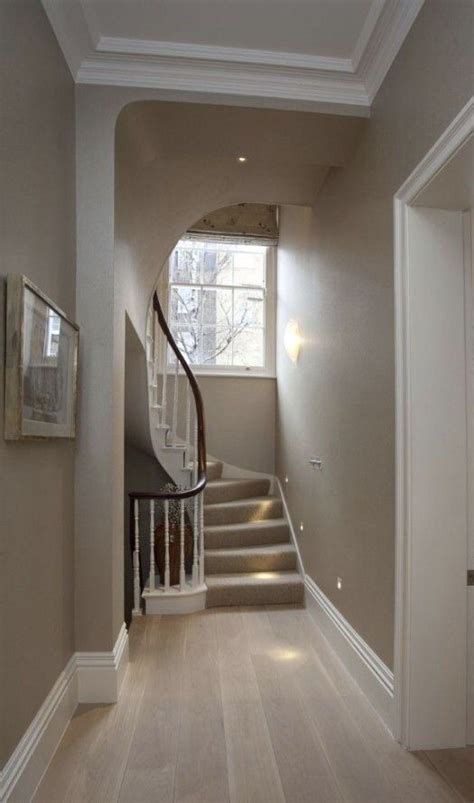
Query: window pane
216	346
248	348
186	265
212	324
217	307
248	308
249	268
185	303
187	340
217	267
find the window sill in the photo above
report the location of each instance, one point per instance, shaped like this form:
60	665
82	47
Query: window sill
234	374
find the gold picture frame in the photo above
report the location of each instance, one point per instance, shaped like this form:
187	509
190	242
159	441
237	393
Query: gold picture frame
42	346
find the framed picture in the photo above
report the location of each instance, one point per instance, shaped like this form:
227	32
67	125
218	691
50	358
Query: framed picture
41	365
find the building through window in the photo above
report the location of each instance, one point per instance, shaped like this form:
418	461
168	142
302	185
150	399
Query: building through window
220	294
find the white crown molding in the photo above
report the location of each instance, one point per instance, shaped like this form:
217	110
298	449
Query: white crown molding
368	670
101	684
348	84
228	80
387	37
367	32
231	55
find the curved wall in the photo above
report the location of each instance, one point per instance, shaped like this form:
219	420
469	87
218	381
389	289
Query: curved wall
158	194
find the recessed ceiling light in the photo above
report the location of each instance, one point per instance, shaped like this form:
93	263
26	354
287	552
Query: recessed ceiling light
241	158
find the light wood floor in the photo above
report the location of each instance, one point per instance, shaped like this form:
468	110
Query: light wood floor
241	706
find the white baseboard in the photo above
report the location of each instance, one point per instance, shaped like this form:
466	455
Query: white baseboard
100	674
87	677
175	602
27	764
370	673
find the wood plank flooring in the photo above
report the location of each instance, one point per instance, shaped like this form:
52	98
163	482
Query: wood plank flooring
242	706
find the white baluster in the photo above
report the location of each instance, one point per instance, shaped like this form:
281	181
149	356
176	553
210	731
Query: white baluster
188	413
152	544
201	537
167	546
136	561
196	542
165	383
174	426
182	571
195	462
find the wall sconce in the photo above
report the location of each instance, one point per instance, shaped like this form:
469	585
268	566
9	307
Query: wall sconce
292	340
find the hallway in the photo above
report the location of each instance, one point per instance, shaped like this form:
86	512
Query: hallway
238	705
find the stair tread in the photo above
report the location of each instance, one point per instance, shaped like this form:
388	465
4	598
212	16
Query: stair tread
254	578
264	549
246	525
251	500
224	483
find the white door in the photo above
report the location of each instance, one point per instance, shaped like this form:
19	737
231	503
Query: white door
437	411
469	265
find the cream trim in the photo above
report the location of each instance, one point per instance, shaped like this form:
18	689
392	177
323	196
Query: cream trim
228	72
99	674
233	55
368	670
442	151
29	761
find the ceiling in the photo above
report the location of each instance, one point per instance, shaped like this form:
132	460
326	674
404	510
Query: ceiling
325	28
326	55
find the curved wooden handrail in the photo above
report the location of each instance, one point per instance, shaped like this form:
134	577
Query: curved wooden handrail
201	481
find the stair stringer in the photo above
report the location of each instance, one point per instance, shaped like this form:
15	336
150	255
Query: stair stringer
278	491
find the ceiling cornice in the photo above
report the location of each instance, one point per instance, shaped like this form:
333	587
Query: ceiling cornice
226	72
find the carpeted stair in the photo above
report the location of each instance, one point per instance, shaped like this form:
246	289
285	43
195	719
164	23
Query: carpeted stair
249	557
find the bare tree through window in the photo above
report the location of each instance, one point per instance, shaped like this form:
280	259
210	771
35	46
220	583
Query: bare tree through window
217	303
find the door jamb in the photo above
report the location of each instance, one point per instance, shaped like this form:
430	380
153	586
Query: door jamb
440	154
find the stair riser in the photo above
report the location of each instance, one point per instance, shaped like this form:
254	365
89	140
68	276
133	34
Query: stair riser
243	513
214	471
255	595
224	564
233	492
244	538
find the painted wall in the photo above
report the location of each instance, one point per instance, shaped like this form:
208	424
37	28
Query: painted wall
136	196
336	278
37	238
240	420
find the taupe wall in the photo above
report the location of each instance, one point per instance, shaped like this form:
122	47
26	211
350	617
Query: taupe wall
36	479
336	278
124	239
240	420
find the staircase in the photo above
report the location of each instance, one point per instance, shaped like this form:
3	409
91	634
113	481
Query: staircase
249	559
242	552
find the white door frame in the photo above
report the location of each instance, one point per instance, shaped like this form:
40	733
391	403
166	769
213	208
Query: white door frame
444	149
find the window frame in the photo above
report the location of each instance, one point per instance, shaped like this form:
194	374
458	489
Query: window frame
269	318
